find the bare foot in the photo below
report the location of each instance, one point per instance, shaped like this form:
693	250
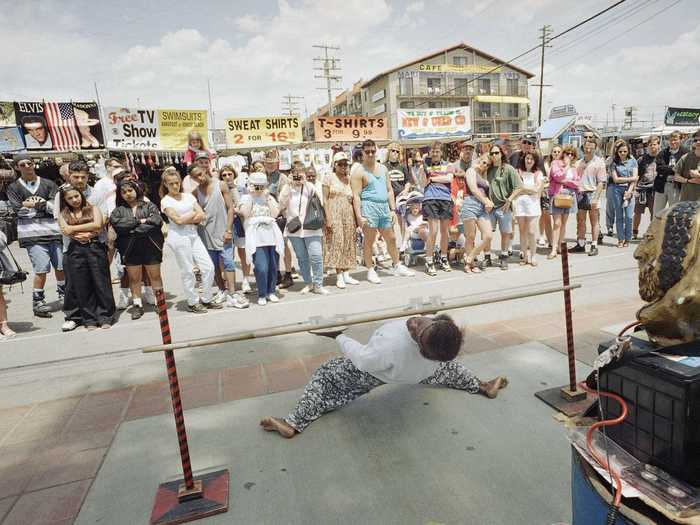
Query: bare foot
490	388
274	424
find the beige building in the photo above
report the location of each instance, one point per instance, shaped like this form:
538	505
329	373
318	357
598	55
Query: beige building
457	76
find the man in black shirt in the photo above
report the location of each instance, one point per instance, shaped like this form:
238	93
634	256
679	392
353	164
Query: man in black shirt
398	173
527	145
666	191
644	191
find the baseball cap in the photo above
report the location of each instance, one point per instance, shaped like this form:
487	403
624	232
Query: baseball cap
529	138
341	155
467	144
201	155
258	178
19	157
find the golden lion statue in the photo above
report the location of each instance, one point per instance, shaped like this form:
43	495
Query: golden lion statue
669	275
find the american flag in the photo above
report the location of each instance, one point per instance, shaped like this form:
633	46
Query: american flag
61	121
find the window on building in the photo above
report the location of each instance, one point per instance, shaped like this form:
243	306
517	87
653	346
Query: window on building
513	110
434	86
463	103
484	127
437	104
460	61
484	86
485	110
515	127
461	86
406	86
512	86
407	104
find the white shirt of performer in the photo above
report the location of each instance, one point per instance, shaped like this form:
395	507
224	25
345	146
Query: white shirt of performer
391	355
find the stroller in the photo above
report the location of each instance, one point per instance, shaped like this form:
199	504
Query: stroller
413	247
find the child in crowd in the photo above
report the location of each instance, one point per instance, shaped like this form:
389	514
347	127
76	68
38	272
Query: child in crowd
455	245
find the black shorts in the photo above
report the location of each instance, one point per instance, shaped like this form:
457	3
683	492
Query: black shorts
142	252
437	209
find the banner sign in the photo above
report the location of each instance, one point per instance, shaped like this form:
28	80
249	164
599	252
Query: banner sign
451	68
10	139
7	114
434	124
349	129
682	117
59	126
154	129
262	131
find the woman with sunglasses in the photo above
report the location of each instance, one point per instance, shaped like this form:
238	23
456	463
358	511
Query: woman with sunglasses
238	186
503	182
137	223
623	179
339	239
563	187
85	262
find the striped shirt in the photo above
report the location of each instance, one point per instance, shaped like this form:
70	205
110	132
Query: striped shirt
34	226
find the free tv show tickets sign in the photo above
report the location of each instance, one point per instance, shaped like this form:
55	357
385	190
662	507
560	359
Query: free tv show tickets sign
336	129
246	132
433	124
144	129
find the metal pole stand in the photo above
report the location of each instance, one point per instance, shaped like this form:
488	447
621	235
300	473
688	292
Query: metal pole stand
187	499
568	399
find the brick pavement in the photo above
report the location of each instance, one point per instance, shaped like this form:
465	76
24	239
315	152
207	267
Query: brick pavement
51	452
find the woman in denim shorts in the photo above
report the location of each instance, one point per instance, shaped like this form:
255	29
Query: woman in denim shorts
475	213
563	180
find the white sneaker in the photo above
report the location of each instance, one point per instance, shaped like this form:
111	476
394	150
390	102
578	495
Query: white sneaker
348	279
320	290
401	271
69	326
262	301
273	298
306	289
245	287
236	300
339	281
123	299
148	296
373	277
219	298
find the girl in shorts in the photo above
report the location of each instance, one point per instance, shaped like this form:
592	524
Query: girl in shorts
474	213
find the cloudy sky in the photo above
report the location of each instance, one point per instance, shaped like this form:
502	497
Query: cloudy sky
161	53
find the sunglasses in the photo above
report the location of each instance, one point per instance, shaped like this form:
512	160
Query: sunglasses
343	163
258	188
528	142
570	154
394	151
369	151
494	152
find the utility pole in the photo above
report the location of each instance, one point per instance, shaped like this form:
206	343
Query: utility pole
546	31
328	64
290	106
212	124
629	116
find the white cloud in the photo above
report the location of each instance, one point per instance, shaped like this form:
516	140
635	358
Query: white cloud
415	7
248	23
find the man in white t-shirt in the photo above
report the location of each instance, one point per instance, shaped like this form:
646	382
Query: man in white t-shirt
419	350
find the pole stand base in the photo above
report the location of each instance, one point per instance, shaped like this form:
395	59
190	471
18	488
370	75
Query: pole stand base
573	395
556	399
169	508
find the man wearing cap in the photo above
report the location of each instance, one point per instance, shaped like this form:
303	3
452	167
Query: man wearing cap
31	197
466	155
276	183
375	207
527	145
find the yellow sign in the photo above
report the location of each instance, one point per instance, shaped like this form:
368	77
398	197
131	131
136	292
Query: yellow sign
451	68
337	129
175	124
262	131
501	99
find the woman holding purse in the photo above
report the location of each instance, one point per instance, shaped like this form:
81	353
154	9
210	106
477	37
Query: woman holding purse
563	185
295	200
623	179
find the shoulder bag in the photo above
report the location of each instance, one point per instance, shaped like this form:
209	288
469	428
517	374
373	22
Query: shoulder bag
294	224
563	200
315	218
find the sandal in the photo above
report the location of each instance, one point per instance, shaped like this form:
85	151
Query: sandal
552	255
533	262
6	330
620	244
475	267
625	244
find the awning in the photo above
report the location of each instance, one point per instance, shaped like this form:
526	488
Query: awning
552	128
497	99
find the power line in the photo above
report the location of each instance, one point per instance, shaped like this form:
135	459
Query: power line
290	104
328	66
657	13
509	62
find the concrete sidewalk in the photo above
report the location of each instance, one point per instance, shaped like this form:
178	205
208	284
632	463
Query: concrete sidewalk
401	455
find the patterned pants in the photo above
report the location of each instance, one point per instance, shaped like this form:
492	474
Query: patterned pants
337	382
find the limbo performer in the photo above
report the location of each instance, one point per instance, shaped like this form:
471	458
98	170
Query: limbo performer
419	350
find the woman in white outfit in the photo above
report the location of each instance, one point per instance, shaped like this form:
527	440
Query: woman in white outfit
527	205
184	214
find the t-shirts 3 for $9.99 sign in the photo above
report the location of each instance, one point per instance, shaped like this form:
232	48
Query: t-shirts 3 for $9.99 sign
350	129
258	132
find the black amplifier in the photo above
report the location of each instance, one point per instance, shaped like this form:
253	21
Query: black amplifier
662	393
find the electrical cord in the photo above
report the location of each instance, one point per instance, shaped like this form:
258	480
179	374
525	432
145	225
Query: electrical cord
602	424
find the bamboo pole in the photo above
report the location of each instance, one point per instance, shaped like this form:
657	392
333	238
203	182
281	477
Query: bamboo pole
390	313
